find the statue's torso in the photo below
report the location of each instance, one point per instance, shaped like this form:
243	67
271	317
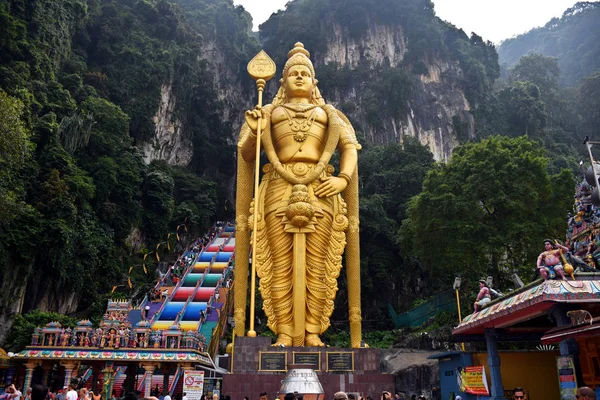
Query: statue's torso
551	257
298	135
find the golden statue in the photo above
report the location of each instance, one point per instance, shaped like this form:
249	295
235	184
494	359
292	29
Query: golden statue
303	223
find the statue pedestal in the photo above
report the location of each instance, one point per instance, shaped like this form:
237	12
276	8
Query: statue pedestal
259	367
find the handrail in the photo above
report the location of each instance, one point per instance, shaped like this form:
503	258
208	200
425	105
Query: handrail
198	284
143	304
143	381
173	384
84	378
182	311
188	270
227	303
216	335
159	312
214	338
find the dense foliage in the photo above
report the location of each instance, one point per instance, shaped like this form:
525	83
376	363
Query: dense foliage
574	39
24	326
389	176
487	211
80	82
588	97
531	102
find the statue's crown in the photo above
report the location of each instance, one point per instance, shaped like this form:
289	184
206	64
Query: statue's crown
298	56
298	48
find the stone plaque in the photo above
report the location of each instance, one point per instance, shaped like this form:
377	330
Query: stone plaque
340	361
308	358
272	361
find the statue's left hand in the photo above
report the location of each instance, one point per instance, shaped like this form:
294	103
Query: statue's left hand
331	186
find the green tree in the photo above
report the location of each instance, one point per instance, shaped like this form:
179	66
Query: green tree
537	69
389	176
20	335
159	204
525	111
14	153
588	100
572	39
487	210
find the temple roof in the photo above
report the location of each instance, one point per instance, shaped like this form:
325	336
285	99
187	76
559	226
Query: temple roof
532	301
581	330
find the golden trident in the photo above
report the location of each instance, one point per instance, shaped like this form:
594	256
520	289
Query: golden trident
261	68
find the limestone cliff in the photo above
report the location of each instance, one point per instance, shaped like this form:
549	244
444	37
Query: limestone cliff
380	43
434	100
170	142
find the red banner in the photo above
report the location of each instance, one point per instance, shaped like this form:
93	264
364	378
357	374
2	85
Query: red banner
472	380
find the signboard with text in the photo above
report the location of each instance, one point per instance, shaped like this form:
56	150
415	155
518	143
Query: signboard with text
473	380
193	384
274	361
566	377
340	361
305	357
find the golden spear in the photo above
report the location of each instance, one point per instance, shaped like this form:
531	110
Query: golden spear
261	68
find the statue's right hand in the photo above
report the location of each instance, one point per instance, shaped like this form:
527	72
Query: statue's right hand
252	117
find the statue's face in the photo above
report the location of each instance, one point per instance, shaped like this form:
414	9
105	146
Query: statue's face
299	82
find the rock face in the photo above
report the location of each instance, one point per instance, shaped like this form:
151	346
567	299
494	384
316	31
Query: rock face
228	82
22	292
436	97
434	100
415	373
381	43
432	108
170	142
13	293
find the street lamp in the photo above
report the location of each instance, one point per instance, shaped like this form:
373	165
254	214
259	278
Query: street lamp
456	286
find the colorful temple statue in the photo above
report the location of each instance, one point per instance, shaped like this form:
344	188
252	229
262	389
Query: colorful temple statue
483	297
549	262
307	214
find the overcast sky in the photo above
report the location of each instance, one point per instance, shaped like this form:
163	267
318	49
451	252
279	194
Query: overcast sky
494	20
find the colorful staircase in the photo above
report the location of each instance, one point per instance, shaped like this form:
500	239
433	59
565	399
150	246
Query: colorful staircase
194	296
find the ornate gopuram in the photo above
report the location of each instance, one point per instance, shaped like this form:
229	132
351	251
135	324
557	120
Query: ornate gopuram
114	356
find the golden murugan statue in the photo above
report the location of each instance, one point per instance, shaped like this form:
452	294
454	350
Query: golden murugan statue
303	223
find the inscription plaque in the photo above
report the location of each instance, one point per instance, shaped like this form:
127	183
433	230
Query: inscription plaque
272	361
340	361
308	358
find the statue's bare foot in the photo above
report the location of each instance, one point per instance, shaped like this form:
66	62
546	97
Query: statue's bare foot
283	340
313	340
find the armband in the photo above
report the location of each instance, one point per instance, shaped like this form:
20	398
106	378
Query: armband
345	177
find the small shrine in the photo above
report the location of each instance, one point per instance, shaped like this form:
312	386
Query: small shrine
173	337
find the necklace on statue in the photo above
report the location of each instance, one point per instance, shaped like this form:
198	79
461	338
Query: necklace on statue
299	107
300	123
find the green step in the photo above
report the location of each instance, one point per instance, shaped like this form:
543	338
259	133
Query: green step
206	330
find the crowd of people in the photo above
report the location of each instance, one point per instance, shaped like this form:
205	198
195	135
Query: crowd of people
43	392
176	271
